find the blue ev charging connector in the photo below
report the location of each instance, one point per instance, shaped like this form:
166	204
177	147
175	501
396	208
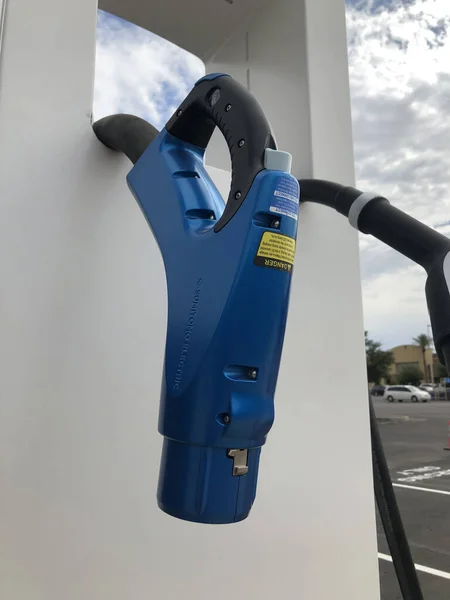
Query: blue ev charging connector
229	269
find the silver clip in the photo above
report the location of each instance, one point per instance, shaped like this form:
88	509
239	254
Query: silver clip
239	461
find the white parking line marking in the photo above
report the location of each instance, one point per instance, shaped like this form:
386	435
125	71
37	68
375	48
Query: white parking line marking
422	474
428	570
418	470
421	489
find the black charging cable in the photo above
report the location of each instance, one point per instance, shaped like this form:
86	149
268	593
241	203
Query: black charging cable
125	133
390	517
373	214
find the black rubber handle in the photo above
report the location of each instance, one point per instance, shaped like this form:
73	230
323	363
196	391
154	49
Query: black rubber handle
223	102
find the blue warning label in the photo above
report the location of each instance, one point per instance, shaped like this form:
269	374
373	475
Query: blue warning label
285	198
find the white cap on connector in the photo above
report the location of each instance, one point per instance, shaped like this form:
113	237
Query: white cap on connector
277	160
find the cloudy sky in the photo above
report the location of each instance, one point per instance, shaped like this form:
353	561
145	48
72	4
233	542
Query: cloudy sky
399	62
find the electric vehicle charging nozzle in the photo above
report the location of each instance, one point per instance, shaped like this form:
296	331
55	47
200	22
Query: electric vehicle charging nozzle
229	270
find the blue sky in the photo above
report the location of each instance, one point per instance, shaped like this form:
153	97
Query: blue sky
399	69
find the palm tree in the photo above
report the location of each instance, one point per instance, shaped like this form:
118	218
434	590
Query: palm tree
423	341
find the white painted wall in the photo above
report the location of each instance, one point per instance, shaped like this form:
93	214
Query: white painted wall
82	308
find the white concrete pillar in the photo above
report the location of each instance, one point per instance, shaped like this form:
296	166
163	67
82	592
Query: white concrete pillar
82	330
293	57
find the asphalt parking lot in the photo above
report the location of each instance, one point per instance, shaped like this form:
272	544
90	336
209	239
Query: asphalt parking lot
414	437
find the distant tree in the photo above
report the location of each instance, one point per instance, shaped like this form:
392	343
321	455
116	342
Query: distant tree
423	341
440	371
378	360
410	376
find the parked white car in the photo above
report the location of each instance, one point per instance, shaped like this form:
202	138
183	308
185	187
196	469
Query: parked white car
402	393
427	387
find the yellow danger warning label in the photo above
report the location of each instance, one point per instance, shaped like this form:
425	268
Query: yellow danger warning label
276	251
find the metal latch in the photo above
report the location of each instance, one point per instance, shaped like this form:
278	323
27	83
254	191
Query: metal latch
239	461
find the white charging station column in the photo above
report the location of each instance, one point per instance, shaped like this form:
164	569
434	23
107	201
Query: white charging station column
82	331
293	57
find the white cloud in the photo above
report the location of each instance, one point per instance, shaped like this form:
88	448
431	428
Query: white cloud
399	61
138	72
394	302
